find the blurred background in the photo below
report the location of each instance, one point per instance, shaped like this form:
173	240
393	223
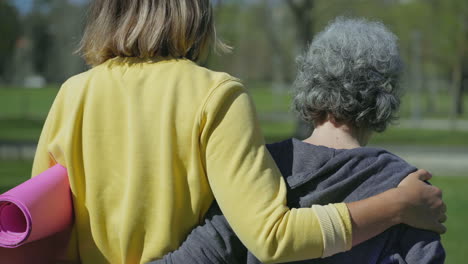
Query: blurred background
38	39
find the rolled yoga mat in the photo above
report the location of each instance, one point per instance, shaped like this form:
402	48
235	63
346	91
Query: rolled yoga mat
36	209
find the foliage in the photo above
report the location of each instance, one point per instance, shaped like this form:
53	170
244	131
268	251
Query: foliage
41	38
10	29
66	22
262	39
49	36
432	36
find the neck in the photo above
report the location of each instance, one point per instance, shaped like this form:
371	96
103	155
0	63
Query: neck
338	136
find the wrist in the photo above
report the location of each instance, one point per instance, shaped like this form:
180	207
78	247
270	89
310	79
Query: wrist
398	205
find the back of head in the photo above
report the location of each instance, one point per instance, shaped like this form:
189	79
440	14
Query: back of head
148	29
351	71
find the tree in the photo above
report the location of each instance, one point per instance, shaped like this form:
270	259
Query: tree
452	47
302	13
54	28
38	30
66	23
10	30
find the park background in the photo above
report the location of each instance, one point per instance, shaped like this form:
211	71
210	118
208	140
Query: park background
38	39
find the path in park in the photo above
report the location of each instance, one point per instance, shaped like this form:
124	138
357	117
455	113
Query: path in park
443	161
440	161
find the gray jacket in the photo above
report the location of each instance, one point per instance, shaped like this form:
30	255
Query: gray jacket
321	175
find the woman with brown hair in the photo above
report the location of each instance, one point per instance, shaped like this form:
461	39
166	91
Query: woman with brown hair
150	139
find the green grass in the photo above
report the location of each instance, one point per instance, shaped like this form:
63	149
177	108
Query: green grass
439	107
15	172
20	129
422	137
274	131
267	101
21	103
456	198
23	111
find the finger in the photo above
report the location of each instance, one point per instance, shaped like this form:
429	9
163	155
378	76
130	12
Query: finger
423	175
420	174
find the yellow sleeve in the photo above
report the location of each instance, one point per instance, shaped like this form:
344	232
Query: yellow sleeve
48	152
333	230
248	187
43	160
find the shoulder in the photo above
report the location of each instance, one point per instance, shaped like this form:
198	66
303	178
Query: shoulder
388	167
197	69
216	82
373	154
76	83
221	90
70	91
197	74
385	157
80	77
213	86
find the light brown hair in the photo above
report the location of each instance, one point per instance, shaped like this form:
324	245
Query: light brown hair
148	29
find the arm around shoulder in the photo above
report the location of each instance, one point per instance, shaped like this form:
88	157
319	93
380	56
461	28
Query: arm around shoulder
248	186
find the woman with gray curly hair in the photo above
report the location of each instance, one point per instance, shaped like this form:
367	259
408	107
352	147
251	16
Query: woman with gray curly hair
350	76
347	87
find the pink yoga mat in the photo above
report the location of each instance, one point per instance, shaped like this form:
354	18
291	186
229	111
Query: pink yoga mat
36	209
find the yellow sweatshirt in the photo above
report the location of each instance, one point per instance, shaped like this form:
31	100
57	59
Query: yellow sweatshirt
149	144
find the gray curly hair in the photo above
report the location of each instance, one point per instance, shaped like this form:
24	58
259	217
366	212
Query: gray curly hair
351	71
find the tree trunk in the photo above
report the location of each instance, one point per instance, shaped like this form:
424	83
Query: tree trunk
457	90
416	77
302	10
457	71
